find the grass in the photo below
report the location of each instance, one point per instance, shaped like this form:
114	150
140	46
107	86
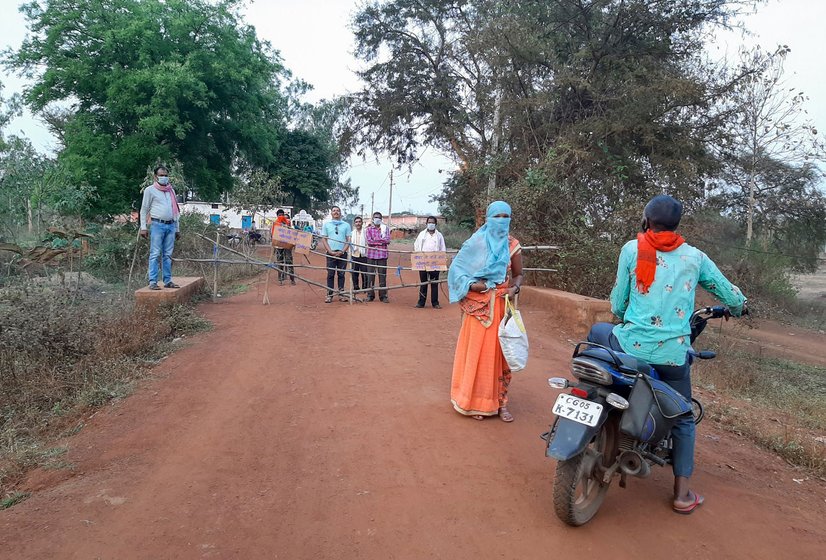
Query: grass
13	499
779	404
65	354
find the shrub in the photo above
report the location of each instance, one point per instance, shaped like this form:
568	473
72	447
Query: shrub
64	350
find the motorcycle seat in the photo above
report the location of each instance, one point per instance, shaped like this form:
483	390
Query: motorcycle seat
628	362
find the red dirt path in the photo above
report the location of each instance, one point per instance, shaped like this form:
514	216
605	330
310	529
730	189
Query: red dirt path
305	430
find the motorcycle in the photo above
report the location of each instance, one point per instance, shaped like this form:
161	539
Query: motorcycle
615	421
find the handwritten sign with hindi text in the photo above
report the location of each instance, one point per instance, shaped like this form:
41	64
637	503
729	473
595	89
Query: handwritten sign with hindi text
436	260
289	238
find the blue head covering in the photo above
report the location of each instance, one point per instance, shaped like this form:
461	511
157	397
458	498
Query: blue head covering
485	256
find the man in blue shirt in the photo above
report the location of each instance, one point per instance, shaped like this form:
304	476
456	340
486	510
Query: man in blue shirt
336	235
657	276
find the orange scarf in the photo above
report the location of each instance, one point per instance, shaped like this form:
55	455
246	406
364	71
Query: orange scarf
648	244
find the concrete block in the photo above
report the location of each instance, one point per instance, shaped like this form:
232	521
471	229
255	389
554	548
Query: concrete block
189	286
574	312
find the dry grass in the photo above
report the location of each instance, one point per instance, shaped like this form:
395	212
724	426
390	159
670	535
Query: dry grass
63	353
779	404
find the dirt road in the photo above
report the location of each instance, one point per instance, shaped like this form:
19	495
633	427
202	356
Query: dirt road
303	430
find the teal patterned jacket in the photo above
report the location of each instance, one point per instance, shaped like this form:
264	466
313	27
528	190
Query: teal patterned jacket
655	325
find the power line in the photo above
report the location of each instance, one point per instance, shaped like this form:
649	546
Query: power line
750	250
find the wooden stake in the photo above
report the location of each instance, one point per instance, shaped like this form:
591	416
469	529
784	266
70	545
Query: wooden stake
267	283
215	268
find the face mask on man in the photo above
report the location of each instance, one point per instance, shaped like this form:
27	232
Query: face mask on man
377	221
163	181
431	227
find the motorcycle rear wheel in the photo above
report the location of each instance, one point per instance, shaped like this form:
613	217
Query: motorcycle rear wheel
578	487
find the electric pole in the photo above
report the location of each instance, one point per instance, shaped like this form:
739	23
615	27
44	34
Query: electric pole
390	205
372	197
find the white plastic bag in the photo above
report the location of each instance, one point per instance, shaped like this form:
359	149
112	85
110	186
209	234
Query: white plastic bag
513	338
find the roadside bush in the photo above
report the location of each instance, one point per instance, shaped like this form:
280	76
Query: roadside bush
455	235
764	276
114	246
64	350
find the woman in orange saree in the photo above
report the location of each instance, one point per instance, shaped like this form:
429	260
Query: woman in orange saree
488	267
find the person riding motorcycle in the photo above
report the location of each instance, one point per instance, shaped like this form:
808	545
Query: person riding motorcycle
657	275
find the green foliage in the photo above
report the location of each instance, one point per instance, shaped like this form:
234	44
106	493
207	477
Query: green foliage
455	234
13	499
9	108
764	276
788	210
305	164
578	113
456	201
768	177
617	90
153	80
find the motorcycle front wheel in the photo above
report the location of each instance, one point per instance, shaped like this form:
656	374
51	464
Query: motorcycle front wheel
578	487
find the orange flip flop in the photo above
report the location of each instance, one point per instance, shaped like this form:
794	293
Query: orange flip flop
698	501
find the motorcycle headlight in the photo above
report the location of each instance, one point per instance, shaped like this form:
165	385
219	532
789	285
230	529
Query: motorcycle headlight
558	382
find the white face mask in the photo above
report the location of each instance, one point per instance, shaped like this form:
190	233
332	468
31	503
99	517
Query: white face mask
431	227
377	221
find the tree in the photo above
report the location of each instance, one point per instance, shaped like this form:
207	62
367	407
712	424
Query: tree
613	97
258	192
312	157
772	142
152	80
427	81
9	108
35	190
786	210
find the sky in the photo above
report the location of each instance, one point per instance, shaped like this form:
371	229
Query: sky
316	44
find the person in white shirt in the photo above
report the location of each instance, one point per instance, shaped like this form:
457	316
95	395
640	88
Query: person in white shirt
160	204
430	240
358	254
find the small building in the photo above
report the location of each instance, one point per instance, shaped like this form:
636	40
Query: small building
223	214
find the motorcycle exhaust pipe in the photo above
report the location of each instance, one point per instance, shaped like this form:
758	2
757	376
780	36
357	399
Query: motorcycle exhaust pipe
632	464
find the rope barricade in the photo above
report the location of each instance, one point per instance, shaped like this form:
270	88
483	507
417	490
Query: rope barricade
349	293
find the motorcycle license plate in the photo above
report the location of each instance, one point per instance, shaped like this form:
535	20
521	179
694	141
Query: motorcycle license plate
577	409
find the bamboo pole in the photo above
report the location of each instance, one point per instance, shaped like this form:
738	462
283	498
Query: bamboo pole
215	268
267	283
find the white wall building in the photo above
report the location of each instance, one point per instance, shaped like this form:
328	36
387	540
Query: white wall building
233	218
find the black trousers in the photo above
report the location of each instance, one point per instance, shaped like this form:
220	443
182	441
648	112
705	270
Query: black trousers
336	267
378	268
284	258
359	271
425	276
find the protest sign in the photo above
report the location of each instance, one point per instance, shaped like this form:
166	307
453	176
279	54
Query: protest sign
289	238
436	260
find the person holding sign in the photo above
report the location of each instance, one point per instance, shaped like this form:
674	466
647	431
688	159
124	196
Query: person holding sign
430	240
378	238
488	267
335	234
283	255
